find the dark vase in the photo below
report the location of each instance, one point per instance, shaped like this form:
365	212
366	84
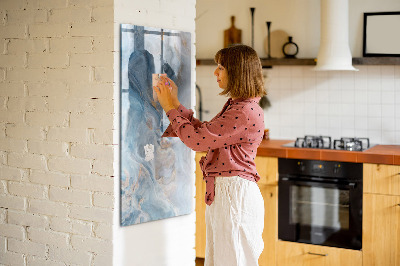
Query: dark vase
290	49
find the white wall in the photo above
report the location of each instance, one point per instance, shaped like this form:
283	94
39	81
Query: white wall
170	241
56	119
299	18
338	104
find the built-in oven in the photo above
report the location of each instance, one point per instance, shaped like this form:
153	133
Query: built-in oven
320	202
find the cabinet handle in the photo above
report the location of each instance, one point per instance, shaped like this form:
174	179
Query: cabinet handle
398	204
318	254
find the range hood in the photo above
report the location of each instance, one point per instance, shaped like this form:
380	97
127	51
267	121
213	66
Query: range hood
334	51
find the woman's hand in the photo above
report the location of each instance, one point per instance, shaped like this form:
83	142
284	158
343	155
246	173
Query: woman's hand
163	91
174	90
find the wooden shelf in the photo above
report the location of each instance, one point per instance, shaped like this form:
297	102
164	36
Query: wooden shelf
312	61
268	62
288	62
376	61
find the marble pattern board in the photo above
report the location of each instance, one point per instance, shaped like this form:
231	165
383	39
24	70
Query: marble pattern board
156	173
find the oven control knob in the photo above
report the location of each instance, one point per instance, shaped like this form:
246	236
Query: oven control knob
302	167
336	169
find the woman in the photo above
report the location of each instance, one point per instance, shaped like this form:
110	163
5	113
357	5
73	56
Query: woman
235	207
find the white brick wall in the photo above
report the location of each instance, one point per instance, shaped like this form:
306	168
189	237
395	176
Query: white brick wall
56	126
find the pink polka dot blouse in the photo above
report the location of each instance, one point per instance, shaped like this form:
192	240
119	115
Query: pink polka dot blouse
231	139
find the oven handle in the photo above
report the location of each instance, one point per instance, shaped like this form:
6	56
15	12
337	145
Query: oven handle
297	181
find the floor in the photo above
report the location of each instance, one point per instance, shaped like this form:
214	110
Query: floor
199	262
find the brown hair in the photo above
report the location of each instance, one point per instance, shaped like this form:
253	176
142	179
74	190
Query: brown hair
245	78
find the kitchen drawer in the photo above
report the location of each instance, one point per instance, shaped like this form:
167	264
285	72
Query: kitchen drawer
298	254
381	179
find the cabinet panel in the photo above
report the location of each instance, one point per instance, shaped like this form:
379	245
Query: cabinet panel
381	230
267	168
381	179
297	254
270	233
200	209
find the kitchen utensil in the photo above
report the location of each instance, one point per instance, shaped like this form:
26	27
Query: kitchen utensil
232	35
252	9
269	38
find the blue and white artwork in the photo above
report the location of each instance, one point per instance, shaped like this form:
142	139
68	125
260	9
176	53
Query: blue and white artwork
156	173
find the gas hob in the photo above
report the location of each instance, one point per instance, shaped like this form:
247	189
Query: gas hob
325	142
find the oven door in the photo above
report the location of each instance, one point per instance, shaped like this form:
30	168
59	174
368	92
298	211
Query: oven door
322	212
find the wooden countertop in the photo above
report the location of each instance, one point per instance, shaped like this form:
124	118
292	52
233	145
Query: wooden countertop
379	154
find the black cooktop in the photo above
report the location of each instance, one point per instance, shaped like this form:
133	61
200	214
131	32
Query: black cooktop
325	142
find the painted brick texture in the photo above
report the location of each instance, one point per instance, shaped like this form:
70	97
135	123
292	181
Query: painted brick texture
56	128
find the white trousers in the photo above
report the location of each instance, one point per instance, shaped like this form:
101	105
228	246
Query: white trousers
234	223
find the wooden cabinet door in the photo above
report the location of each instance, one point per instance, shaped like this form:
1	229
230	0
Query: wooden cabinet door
381	179
297	254
381	230
267	168
200	209
270	233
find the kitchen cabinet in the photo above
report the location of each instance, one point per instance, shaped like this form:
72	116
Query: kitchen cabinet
381	215
381	179
381	221
270	233
200	209
267	168
291	253
381	230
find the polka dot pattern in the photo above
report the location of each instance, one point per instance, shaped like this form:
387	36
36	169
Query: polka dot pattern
231	139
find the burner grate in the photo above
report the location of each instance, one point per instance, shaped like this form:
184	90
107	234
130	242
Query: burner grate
320	142
351	144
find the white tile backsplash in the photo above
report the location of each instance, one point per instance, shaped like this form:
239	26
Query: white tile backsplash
388	111
388	97
361	124
397	123
322	95
347	110
387	71
348	95
364	103
361	110
388	83
387	124
397	72
374	110
374	97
